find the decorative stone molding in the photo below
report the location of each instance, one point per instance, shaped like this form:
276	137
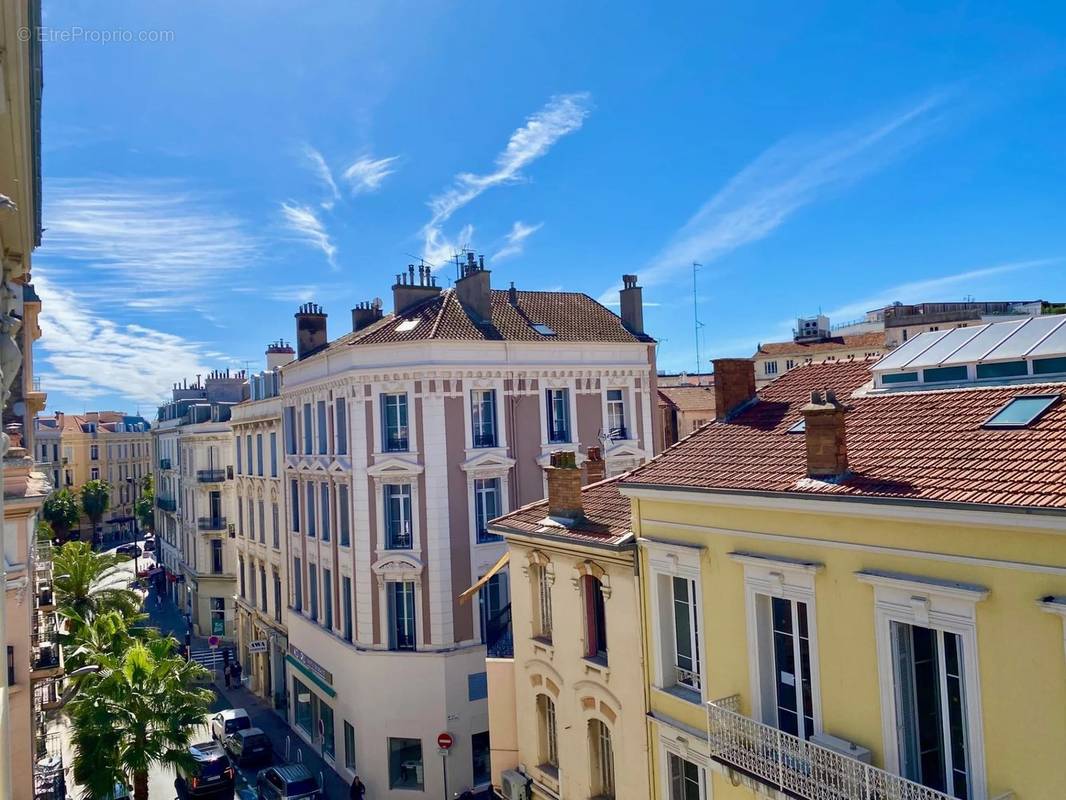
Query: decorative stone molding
594	570
394	566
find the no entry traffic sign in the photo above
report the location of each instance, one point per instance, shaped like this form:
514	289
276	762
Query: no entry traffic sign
444	740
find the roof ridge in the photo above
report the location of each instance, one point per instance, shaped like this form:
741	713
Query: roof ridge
447	295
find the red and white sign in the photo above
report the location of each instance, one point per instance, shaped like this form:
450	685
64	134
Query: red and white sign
444	741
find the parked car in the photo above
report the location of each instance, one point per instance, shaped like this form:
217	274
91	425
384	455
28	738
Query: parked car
120	792
229	721
249	746
131	550
213	775
287	782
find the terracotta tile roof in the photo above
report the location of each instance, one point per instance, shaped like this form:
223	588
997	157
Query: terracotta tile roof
922	446
688	398
858	341
607	518
575	317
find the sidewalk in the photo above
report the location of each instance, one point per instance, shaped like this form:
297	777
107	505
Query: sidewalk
170	620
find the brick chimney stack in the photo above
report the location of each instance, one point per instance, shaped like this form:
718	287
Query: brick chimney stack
734	385
564	487
366	314
595	466
473	289
631	305
310	329
825	433
278	354
408	293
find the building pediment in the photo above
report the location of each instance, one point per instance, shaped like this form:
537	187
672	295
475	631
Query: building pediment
397	567
388	468
624	449
493	462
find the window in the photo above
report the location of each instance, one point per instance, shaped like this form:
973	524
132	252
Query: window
295	497
798	427
401	599
495	610
309	510
542	623
218	616
251	519
542	329
263	588
790	363
327	598
262	523
601	759
289	430
248	450
303	709
405	763
277	597
595	618
340	423
10	665
312	588
324	497
900	377
558	406
616	415
298	585
94	452
398	529
549	752
480	758
483	417
1020	412
275	518
94	473
685	779
240	568
349	746
251	593
325	718
477	686
1049	366
273	455
346	606
216	556
785	656
486	507
686	633
394	423
343	520
770	368
944	374
308	430
259	454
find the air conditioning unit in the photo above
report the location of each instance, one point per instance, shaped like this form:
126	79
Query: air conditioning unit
842	747
515	785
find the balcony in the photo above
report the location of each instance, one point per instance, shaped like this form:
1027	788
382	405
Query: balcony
484	438
211	523
396	441
166	504
164	463
211	475
398	536
618	433
797	767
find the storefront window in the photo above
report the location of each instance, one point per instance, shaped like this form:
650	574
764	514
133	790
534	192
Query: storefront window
405	764
325	716
302	700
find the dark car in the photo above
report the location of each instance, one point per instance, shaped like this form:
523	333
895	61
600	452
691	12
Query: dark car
288	782
131	550
249	746
213	775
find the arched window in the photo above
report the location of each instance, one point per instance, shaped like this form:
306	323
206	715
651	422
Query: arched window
549	751
540	580
601	760
595	618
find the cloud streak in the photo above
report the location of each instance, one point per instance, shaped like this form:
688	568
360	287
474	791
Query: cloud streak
324	174
368	174
515	241
302	221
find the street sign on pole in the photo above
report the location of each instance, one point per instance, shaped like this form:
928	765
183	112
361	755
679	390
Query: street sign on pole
212	642
444	740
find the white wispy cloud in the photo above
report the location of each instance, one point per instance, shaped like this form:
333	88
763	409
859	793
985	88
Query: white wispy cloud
88	355
789	176
367	174
563	114
324	174
440	249
515	241
306	225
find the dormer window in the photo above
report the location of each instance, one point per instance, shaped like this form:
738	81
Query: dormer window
1021	412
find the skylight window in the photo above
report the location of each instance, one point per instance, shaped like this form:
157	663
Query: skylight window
407	325
799	427
1022	411
542	329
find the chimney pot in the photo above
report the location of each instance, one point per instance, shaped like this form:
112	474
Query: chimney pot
474	290
365	314
310	330
734	385
564	487
631	305
512	295
825	435
595	467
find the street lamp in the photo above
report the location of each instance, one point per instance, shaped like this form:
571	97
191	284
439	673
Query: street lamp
133	486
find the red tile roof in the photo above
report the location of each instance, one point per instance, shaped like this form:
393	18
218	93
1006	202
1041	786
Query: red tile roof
607	518
909	445
858	341
575	317
688	398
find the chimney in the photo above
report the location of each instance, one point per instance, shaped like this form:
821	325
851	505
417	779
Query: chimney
279	353
734	385
564	487
366	314
827	450
512	295
595	466
310	329
473	290
631	300
408	293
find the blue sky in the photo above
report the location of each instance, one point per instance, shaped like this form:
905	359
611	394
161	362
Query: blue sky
832	156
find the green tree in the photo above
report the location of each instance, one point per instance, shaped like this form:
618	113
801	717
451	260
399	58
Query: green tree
95	500
136	710
61	511
144	506
89	584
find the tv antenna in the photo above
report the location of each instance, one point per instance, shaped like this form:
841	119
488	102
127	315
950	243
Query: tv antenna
696	319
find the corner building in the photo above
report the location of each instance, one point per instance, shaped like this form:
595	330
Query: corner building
403	438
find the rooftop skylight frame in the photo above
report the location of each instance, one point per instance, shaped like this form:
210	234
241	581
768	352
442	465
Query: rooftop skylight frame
1039	409
543	329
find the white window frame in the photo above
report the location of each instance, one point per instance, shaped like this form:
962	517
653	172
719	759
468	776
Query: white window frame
627	406
557	383
791	580
393	387
686	746
673	560
939	605
770	368
476	498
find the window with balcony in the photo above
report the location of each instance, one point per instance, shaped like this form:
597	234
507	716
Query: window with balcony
684	777
595	618
616	414
309	431
680	595
601	760
323	427
677	647
785	664
312	589
398	527
394	422
344	522
548	743
324	497
487	506
340	424
557	402
401	602
483	417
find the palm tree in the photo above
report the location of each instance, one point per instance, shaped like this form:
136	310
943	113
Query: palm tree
95	500
61	511
138	710
87	584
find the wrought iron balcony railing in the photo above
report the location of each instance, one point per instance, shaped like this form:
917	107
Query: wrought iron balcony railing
211	523
164	463
800	768
396	441
559	434
210	475
484	438
167	503
619	432
398	536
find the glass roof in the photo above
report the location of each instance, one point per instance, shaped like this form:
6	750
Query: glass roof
1021	411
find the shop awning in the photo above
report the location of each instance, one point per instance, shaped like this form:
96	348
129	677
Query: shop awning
317	681
485	578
